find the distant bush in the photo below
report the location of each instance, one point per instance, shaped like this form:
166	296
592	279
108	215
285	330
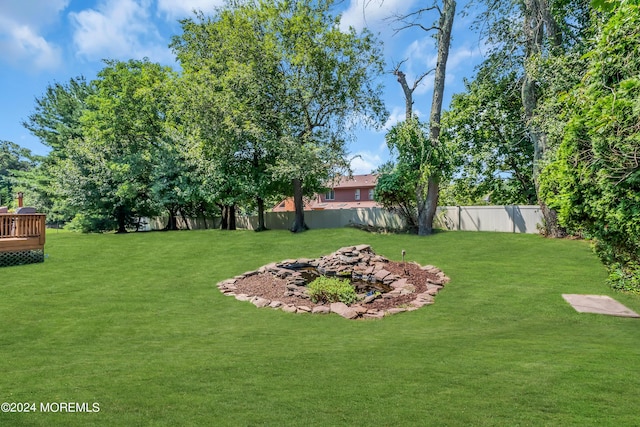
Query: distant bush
331	289
625	278
90	224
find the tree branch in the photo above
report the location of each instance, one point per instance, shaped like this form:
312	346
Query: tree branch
411	19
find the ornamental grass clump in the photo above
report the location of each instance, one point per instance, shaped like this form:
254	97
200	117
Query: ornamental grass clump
331	289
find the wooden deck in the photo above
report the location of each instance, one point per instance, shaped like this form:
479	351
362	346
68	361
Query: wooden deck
22	232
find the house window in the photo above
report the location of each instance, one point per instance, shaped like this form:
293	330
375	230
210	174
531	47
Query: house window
331	195
357	194
371	194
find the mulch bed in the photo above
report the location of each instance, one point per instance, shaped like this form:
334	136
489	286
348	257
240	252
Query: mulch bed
266	285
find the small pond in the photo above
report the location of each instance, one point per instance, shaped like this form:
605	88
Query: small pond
363	286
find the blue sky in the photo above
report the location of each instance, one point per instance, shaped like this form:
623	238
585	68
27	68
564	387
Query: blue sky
48	41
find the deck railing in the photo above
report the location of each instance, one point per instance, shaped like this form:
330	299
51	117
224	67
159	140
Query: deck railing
17	226
22	238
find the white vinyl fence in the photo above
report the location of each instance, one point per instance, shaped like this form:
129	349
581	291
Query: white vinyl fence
332	218
511	219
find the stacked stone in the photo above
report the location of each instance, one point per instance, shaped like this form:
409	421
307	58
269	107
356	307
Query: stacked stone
357	262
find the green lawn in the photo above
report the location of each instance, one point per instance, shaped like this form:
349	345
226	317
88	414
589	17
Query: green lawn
135	323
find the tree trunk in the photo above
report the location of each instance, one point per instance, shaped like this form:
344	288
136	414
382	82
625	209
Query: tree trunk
428	213
172	224
184	219
122	220
224	217
204	221
298	224
428	205
231	225
408	94
261	224
537	20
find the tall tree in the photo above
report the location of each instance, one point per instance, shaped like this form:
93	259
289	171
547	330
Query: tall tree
427	186
417	160
524	36
56	122
593	179
227	105
14	160
328	77
494	155
281	82
109	171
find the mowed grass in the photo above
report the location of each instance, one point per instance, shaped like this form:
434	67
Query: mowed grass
135	323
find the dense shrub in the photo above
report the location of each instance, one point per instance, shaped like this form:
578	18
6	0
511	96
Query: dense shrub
593	180
331	289
90	224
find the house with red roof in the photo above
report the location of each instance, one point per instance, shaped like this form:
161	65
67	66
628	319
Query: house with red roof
347	192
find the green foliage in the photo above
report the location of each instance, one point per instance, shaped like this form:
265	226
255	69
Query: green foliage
84	223
402	184
493	154
267	94
110	171
331	289
593	179
56	122
397	193
417	156
625	277
14	160
224	106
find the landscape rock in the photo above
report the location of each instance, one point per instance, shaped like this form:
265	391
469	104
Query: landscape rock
343	310
369	299
374	314
289	308
381	274
321	309
260	302
357	262
359	309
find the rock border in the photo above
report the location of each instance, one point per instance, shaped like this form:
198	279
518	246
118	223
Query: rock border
357	262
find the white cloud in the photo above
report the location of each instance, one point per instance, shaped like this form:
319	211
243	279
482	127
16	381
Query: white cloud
25	45
370	154
372	14
33	13
21	25
365	162
421	57
174	9
462	56
119	29
398	114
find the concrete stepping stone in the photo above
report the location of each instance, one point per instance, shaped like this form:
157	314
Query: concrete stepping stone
599	304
